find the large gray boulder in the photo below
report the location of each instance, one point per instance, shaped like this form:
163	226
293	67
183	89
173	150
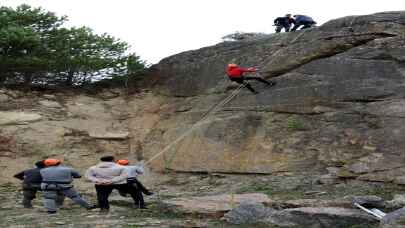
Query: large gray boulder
308	217
216	205
321	217
248	213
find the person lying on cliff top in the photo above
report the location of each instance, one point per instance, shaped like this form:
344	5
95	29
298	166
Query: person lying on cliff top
236	74
306	21
132	172
57	180
107	176
32	184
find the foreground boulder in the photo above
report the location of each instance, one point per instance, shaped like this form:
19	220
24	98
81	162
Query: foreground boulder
214	206
248	213
321	217
313	217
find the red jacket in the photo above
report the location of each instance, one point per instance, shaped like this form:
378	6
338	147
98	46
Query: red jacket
237	72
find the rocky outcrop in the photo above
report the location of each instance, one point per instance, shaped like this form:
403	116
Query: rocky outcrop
254	209
250	214
321	217
214	206
69	125
337	104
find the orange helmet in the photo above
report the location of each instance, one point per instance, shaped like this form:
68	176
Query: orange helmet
123	162
51	162
232	65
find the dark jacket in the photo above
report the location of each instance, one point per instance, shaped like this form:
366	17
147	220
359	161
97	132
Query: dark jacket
30	176
284	21
303	19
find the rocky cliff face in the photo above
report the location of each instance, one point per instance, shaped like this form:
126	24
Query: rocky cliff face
337	109
74	127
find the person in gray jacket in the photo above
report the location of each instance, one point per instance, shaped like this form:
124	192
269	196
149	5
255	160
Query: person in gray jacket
133	171
108	176
58	180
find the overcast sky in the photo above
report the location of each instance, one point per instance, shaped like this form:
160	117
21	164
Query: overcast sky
159	28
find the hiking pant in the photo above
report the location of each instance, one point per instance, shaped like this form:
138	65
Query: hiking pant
138	185
104	191
30	191
241	80
139	188
280	27
51	192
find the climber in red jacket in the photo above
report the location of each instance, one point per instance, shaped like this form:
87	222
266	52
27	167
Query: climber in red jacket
235	74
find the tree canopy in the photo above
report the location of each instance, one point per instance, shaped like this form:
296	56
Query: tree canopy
35	48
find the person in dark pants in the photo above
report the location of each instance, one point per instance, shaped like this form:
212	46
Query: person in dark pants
284	22
108	176
31	183
57	180
304	21
235	74
132	172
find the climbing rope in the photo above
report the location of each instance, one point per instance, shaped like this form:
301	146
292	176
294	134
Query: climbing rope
204	117
213	109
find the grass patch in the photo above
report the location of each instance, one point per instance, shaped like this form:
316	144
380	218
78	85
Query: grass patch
295	124
383	190
257	187
155	210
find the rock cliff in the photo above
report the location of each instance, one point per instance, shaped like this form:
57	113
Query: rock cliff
337	108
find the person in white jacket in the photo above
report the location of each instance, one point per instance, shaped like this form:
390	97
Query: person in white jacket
107	176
